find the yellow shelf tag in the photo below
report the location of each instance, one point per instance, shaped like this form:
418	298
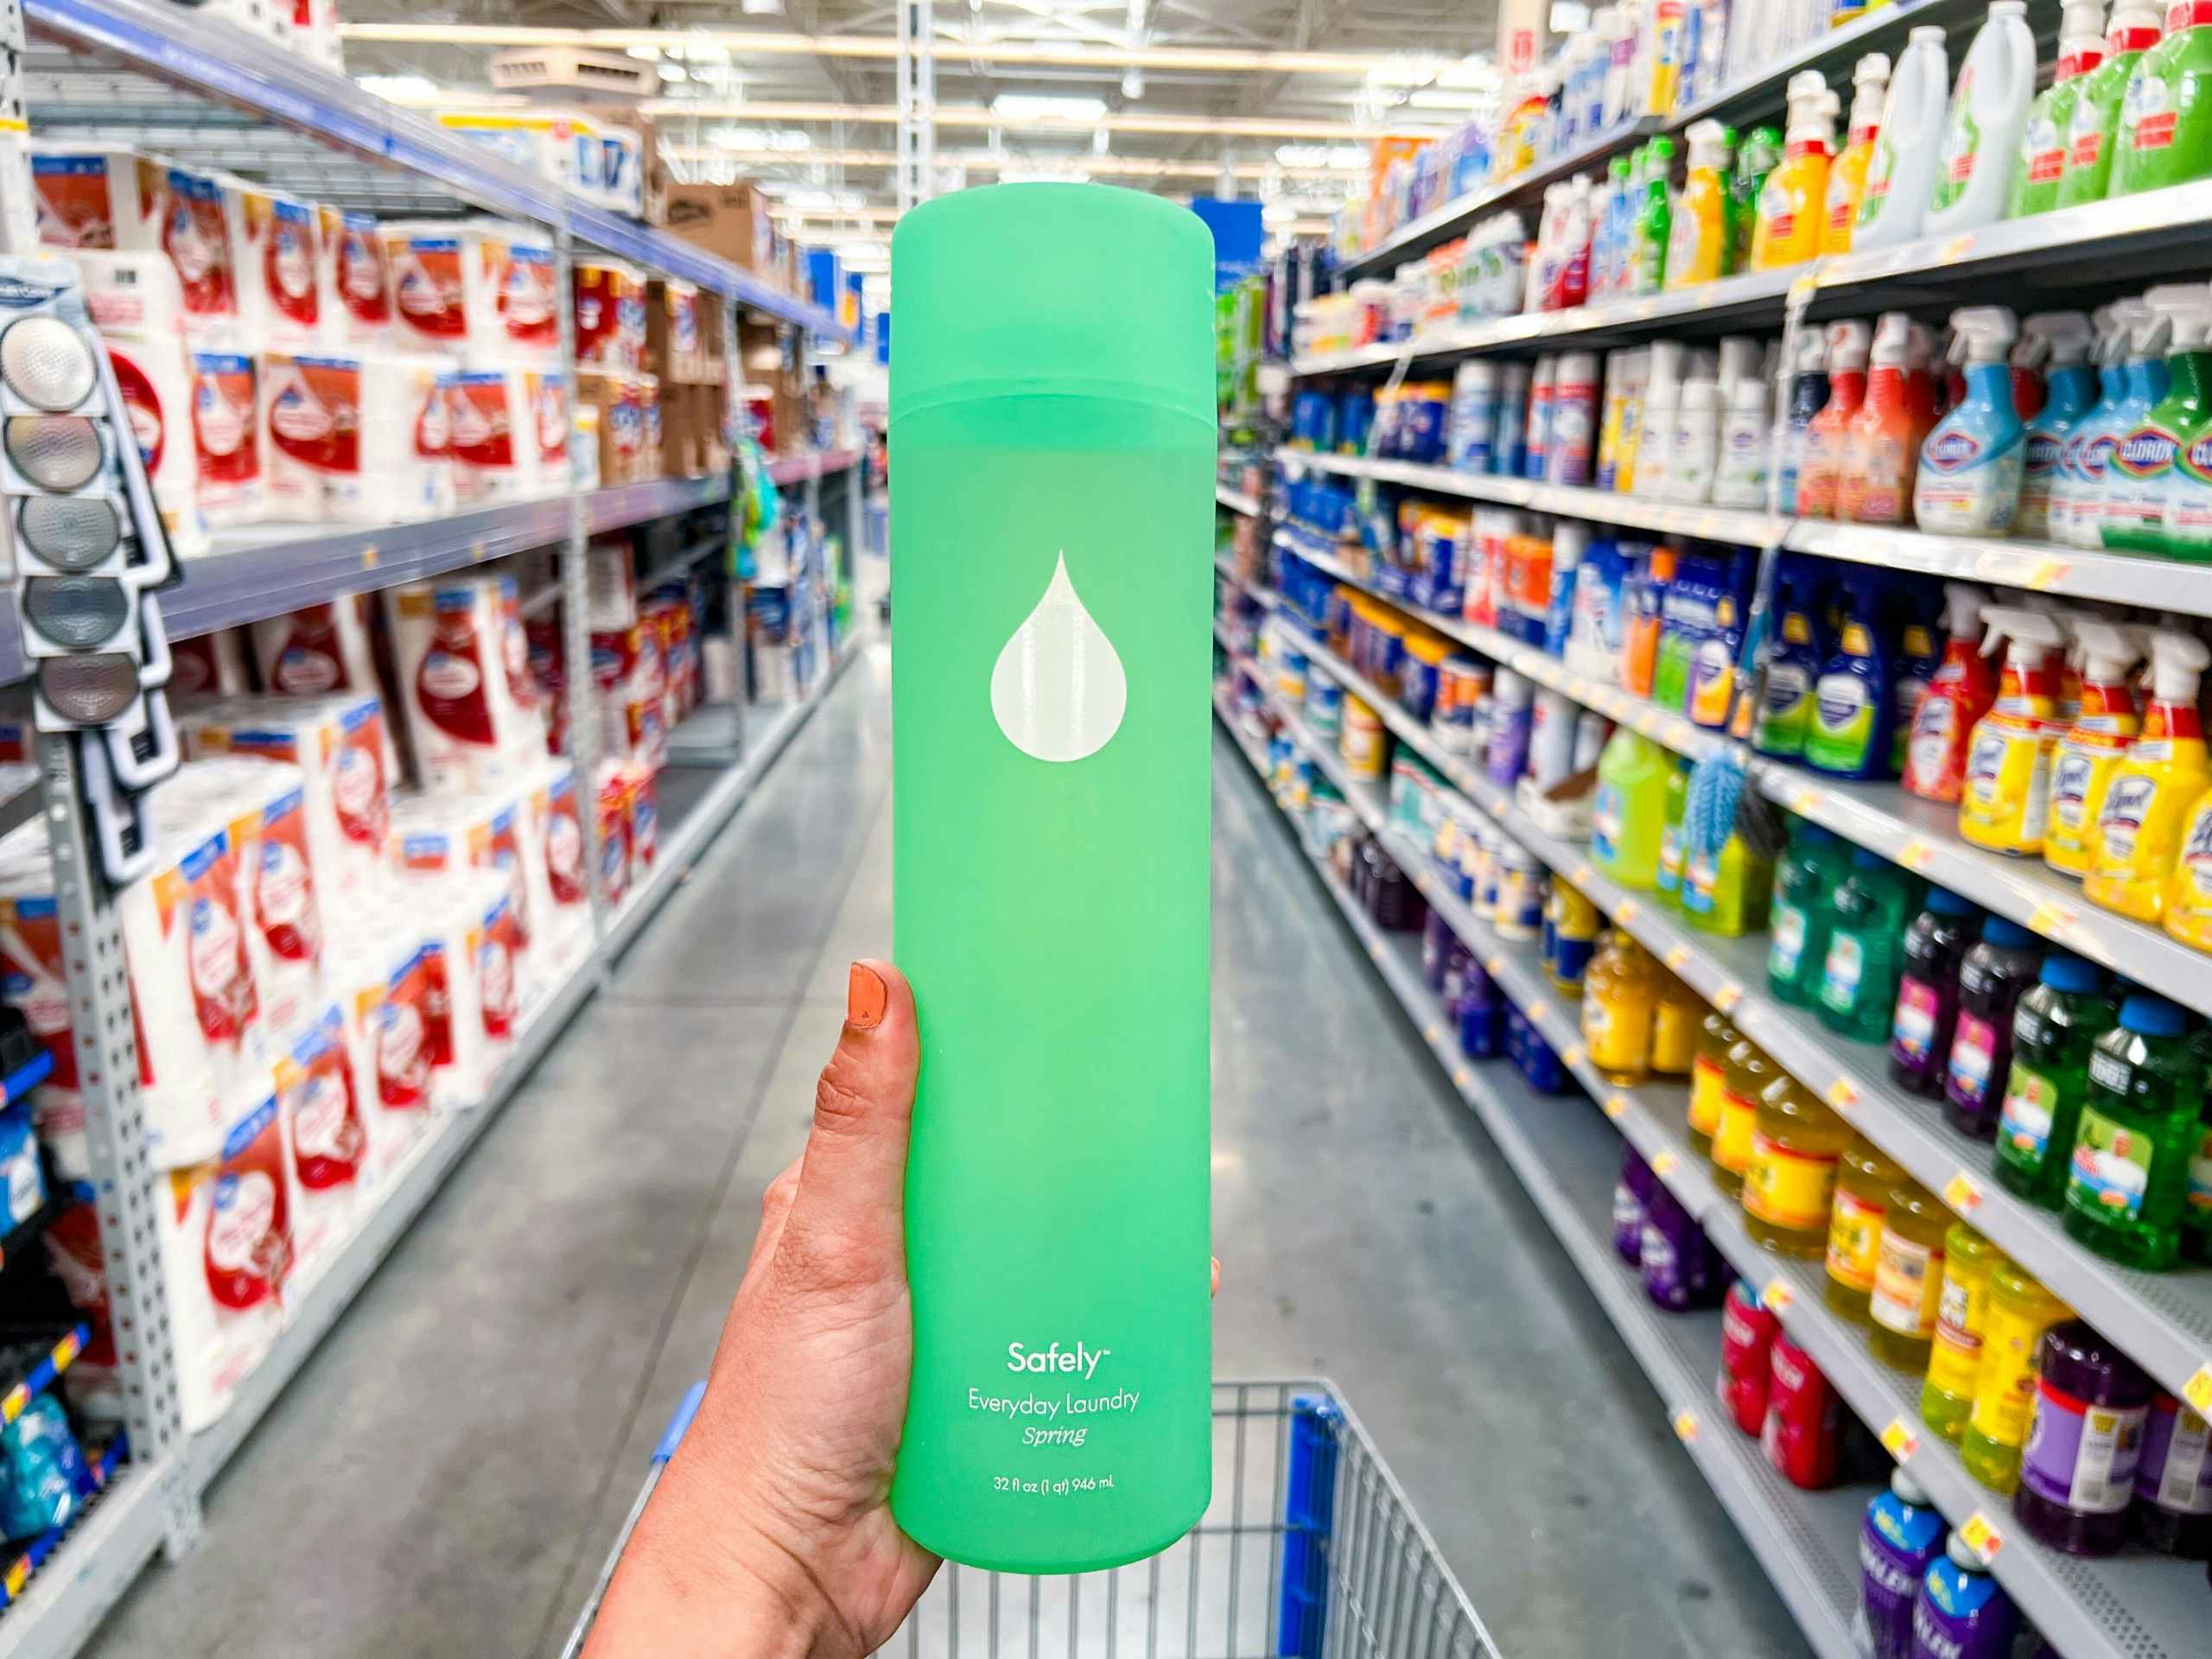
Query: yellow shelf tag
1574	1057
1842	1096
2047	575
1627	913
1727	997
2199	1391
1982	1536
1917	854
1495	965
1461	1077
1678	958
1899	1440
1964	1193
1686	1425
1777	1295
1615	1106
1663	1165
1433	1031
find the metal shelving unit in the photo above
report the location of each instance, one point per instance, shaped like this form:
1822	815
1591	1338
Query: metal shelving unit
1236	501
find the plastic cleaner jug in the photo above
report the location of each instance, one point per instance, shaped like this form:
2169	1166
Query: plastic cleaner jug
2082	765
1819	474
1907	150
2153	787
2141	473
2138	1135
2183	419
1957	698
2061	342
1057	465
2099	102
1848	174
2166	131
1757	157
1882	448
1698	250
1969	482
1981	135
2006	801
2040	166
2055	1025
1793	207
1628	817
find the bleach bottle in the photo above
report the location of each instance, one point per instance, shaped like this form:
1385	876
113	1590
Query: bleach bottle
2166	131
2184	418
2099	102
1989	111
2088	455
1902	174
2063	339
2133	506
2040	167
1970	467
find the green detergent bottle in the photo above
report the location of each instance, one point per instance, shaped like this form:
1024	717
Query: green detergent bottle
1054	438
1628	819
2056	1022
1656	217
2183	418
1672	857
2128	1183
1866	953
1805	884
1760	155
2166	131
2040	166
1726	894
2099	101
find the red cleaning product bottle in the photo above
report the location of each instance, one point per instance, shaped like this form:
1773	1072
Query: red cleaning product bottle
1956	699
1819	474
1895	415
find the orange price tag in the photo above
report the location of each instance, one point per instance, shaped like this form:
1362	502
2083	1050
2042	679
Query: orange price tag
1964	1193
1917	854
1686	1425
1495	965
1581	876
1375	951
1842	1096
1663	1165
2048	574
1898	1440
1615	1106
1778	1296
1433	1031
1727	997
369	555
1955	250
1982	1536
2198	1391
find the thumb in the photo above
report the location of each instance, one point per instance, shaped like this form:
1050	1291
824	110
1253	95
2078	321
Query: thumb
847	1222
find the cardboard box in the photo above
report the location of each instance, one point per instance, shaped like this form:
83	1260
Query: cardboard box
617	404
675	336
729	220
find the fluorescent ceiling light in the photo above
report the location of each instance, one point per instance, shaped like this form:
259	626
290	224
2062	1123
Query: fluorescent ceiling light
1125	166
811	199
1040	108
1430	98
399	88
1347	157
1013	175
1277	213
954	115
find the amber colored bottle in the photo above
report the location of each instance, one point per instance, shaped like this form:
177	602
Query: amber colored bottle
1790	1184
1675	1028
1862	1198
1908	1278
1748	1072
1709	1079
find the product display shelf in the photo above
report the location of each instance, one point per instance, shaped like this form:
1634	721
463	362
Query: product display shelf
63	1582
40	1376
795	469
1266	598
675	564
1566	1159
1236	501
2162	1320
185	48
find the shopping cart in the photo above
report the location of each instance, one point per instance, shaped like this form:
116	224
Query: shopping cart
1308	1550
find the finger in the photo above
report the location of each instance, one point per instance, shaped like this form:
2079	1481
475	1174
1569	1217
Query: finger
775	1211
1215	1291
848	1216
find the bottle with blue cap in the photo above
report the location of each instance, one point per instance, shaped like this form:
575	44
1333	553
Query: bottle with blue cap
2055	1026
2128	1182
1900	1540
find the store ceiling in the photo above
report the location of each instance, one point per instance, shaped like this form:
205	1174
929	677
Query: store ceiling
817	126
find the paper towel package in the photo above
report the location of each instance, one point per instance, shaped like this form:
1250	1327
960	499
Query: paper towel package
363	438
584	466
610	584
553	865
611	801
445	915
197	212
675	343
92	197
208	665
551	407
495	437
627	670
610	300
355	272
325	1143
277	242
317	650
136	302
225	1231
442	835
465	686
387	1048
650	436
481	291
225	438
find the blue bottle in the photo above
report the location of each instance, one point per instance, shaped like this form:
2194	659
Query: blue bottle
1915	605
1961	1613
1808	396
1849	734
2069	392
1794	664
1970	467
1901	1539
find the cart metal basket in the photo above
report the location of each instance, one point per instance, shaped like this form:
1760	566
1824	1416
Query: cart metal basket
1308	1550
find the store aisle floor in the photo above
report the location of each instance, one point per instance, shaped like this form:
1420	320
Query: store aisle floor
447	1472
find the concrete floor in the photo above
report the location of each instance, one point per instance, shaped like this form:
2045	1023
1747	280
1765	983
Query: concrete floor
446	1475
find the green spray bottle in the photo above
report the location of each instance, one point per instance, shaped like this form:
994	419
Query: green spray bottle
2039	168
2166	133
2183	418
2099	101
2138	1134
1655	219
1053	436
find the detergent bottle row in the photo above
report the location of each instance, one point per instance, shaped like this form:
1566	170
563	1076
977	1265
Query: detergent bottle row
2040	167
2006	802
1870	83
1970	467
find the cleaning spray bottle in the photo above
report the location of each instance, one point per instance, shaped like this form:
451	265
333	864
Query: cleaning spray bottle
2184	418
1961	692
2007	800
2088	459
2143	455
1793	208
2029	353
1847	174
1698	251
1989	110
1919	660
1758	157
1849	736
1808	396
2154	787
1969	482
2082	765
1654	221
1882	448
1826	435
1906	150
2099	102
2065	340
1793	666
2040	167
2166	133
2188	914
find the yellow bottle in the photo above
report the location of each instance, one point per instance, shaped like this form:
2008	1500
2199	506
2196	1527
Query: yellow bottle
1620	1001
1796	1148
1908	1278
2019	1311
2139	840
1675	1028
2090	754
1698	244
2007	798
1709	1079
1847	176
1575	925
1748	1071
1862	1198
1961	1322
1794	202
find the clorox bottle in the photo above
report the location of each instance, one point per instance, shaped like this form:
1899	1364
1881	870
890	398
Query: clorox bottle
2007	797
2143	453
2088	454
1970	467
2153	790
2083	765
2040	166
2064	339
2165	130
1988	111
2098	103
2184	419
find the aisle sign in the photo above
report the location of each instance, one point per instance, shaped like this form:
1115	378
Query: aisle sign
1238	231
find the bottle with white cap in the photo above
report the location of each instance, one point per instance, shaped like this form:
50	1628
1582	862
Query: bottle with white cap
2143	457
1988	111
1746	435
1662	397
2058	344
2184	418
1903	172
1969	482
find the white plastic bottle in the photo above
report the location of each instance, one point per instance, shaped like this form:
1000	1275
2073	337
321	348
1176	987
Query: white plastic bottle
1512	420
1694	458
1570	453
1903	173
1474	417
1746	432
1981	132
1662	391
1575	229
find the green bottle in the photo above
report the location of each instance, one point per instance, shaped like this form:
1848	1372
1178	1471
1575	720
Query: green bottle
1053	429
2099	101
1672	856
1628	817
2166	133
2056	1022
1866	953
1760	155
2040	165
2183	418
1656	220
2137	1136
1804	893
2196	1216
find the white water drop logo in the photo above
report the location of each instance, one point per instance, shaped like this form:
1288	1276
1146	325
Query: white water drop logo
1059	692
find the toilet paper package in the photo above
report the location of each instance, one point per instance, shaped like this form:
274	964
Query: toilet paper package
387	1044
628	668
94	197
355	271
481	291
616	403
553	867
510	434
610	300
208	665
225	1231
464	964
317	650
137	305
610	585
552	411
225	438
277	240
674	342
197	212
325	1143
363	438
435	836
470	704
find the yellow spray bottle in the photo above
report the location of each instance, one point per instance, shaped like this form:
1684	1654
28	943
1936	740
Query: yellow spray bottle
2148	802
2083	765
2006	800
1793	213
1847	176
1698	248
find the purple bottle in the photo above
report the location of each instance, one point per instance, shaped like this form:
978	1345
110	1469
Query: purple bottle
2085	1440
1901	1538
1927	992
1961	1613
2173	1483
1630	1193
1437	942
1991	976
1682	1270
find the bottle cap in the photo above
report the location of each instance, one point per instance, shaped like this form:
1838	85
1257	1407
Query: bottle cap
1944	902
1960	1551
2152	1016
1054	290
2062	972
1908	1490
2006	935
